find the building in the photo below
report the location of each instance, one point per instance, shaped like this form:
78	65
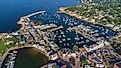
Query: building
50	65
117	65
86	1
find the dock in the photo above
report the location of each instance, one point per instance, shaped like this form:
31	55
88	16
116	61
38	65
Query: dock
58	28
25	19
81	32
33	14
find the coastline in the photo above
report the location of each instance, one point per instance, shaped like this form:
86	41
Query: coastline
21	23
62	10
25	19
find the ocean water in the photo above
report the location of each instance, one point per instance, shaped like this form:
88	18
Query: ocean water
12	10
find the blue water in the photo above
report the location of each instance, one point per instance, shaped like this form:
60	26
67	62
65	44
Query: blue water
57	19
12	10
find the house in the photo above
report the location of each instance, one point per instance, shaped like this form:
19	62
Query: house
109	25
53	55
117	65
7	43
15	33
8	36
51	64
83	51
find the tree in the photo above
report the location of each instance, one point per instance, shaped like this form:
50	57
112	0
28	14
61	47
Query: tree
55	66
75	48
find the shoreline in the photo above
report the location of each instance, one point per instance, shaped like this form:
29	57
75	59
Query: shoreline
21	23
62	10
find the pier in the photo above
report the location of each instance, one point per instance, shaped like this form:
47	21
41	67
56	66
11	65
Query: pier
58	28
33	14
25	19
83	33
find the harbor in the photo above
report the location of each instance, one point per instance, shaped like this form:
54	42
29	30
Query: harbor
65	37
53	37
50	37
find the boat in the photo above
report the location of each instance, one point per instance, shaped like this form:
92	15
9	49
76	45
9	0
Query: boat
63	39
60	41
68	38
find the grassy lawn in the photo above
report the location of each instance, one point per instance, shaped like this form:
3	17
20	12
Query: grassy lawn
3	47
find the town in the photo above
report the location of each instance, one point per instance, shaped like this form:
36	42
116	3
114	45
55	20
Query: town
47	37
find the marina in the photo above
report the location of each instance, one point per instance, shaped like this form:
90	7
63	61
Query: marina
67	38
57	37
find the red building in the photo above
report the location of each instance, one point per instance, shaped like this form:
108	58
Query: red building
117	65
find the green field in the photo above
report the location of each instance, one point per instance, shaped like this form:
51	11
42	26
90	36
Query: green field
3	47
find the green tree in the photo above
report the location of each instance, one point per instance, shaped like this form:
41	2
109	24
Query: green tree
55	66
75	48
